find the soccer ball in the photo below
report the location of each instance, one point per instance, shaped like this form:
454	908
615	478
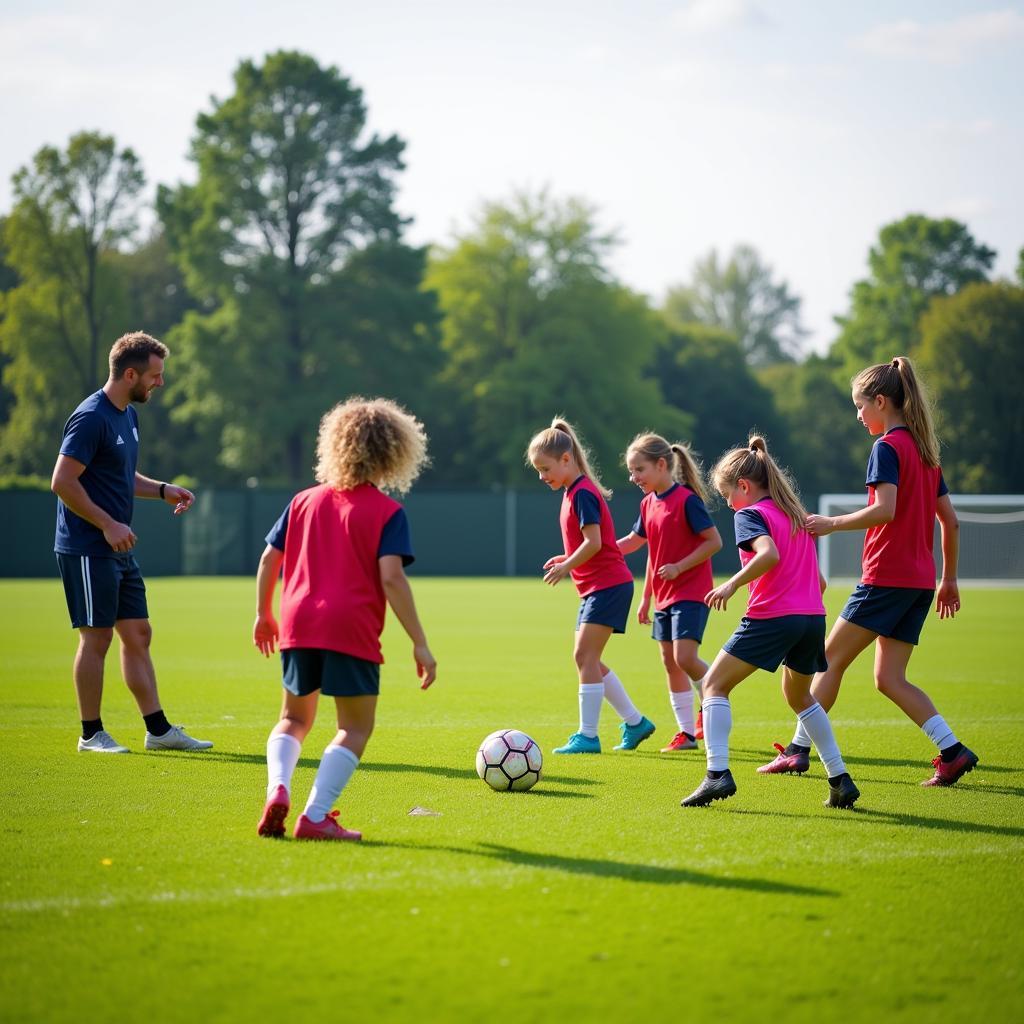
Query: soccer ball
509	759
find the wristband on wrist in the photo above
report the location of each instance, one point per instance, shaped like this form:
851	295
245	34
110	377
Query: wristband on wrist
163	487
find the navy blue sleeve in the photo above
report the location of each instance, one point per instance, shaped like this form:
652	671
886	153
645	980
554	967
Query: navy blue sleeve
697	517
638	526
395	538
83	434
883	465
749	524
587	508
943	489
279	530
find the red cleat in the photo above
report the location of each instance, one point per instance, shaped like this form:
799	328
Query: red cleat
276	810
329	828
698	733
680	742
786	763
947	772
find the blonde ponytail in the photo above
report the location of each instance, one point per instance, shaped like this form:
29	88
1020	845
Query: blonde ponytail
898	382
753	463
558	439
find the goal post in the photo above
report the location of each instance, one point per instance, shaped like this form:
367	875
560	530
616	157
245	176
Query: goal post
991	537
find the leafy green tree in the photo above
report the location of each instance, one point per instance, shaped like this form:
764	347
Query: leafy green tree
972	359
73	210
739	296
915	260
535	326
703	371
290	241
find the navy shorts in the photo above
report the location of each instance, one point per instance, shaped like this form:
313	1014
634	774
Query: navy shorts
796	641
684	620
101	590
894	612
308	669
609	607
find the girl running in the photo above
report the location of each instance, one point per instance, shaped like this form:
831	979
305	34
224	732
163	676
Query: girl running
675	524
343	546
784	623
906	494
602	579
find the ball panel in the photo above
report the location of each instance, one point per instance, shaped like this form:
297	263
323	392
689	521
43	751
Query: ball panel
525	782
497	779
515	764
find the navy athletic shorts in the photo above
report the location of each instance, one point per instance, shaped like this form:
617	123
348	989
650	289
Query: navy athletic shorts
796	641
894	612
102	590
308	669
684	620
608	607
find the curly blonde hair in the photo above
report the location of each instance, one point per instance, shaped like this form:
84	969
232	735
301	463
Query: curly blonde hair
370	440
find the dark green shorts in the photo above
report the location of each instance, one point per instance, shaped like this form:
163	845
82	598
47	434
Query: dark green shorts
308	669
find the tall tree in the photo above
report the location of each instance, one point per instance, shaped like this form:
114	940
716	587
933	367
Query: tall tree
972	359
915	259
535	325
740	296
291	242
73	210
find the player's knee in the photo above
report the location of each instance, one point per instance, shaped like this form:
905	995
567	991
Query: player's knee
96	641
139	635
887	684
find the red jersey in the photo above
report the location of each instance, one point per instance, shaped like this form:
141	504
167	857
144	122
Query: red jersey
332	597
671	536
899	553
582	505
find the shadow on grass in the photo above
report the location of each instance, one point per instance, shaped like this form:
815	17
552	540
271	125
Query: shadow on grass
593	866
867	816
762	757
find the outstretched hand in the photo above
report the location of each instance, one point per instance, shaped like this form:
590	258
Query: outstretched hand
819	526
180	497
719	597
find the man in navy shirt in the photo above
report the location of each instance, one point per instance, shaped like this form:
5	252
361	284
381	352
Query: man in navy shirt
96	483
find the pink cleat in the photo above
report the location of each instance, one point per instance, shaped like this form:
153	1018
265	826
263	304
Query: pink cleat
786	763
329	828
947	772
276	810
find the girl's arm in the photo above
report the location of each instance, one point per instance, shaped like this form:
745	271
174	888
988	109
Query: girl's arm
710	545
882	511
399	595
766	556
264	630
643	613
590	547
632	542
947	598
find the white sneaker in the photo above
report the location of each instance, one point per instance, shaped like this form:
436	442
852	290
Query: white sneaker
101	743
175	739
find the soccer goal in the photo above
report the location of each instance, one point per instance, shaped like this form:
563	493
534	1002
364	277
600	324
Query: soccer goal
991	537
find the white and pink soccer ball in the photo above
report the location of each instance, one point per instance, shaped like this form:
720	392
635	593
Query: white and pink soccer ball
509	760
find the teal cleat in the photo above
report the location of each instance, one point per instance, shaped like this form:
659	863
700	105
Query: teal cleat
577	743
634	735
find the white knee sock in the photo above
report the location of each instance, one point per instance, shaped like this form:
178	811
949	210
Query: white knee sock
615	694
282	757
591	695
819	729
336	768
717	726
800	737
938	732
682	706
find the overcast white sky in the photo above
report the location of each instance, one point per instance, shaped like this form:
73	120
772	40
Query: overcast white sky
800	126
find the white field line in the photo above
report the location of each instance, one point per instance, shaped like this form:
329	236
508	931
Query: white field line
400	879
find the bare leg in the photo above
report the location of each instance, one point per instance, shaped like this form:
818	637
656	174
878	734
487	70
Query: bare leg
297	715
891	659
687	659
844	643
93	645
356	717
136	664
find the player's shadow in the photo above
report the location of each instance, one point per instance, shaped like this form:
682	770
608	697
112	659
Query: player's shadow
869	816
650	873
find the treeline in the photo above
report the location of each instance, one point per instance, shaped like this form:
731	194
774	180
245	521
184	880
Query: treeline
282	282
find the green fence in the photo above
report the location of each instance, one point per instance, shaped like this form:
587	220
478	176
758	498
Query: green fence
501	533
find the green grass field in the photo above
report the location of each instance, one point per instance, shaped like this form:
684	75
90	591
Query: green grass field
135	887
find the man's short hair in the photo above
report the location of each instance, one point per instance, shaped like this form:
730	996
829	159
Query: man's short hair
134	350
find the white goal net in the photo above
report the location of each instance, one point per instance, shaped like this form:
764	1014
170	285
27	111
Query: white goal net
991	537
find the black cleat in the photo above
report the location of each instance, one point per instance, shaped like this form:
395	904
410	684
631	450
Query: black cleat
710	790
842	792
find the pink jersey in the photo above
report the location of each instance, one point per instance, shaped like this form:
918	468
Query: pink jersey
332	597
899	553
792	586
670	539
607	568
